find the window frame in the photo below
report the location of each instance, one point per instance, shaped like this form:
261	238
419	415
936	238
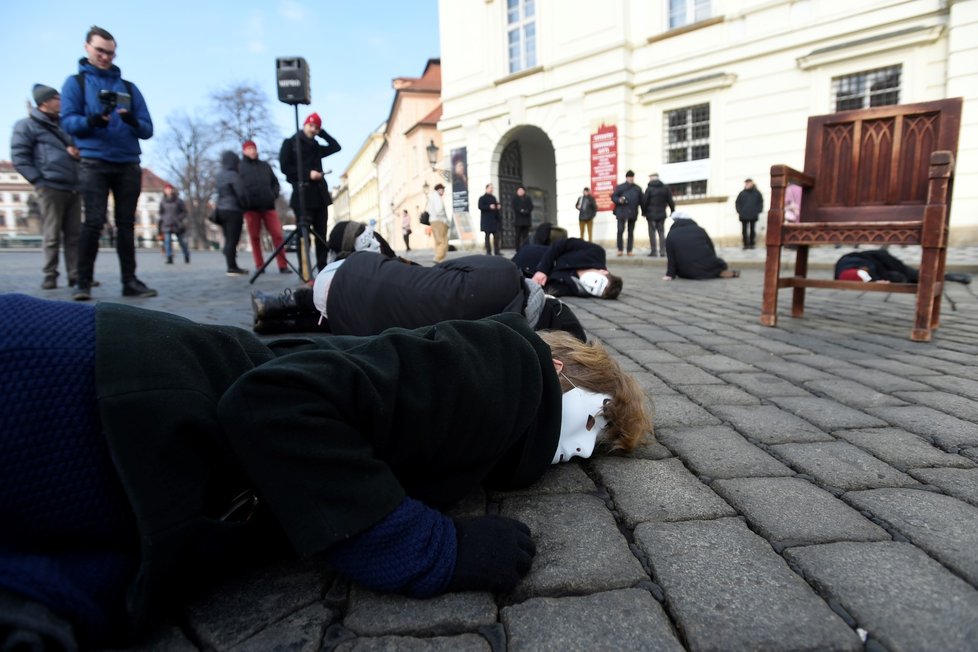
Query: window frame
691	12
865	93
526	56
692	188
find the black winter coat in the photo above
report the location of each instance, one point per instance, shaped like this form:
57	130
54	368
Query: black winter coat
330	433
560	262
657	196
690	252
522	210
259	185
749	204
631	194
488	217
317	192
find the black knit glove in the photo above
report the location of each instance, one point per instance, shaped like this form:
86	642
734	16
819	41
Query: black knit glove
98	121
494	553
129	118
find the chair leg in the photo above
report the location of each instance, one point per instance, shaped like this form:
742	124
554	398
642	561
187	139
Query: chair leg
772	270
928	300
801	271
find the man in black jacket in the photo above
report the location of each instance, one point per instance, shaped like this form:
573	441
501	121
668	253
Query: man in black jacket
627	199
657	197
569	266
690	252
522	216
749	205
310	181
258	190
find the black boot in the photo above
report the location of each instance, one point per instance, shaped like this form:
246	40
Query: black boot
293	324
955	277
288	303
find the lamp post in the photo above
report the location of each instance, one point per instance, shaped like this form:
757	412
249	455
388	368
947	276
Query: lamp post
432	151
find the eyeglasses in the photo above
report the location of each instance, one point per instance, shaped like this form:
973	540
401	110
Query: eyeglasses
105	53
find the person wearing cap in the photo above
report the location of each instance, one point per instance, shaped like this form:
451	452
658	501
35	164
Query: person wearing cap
107	135
173	222
310	182
47	157
438	221
749	205
203	451
569	266
690	252
259	188
656	199
627	199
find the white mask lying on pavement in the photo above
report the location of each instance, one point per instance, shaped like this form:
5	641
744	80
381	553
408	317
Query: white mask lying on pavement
581	422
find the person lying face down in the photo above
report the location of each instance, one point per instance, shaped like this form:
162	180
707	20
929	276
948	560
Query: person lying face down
200	450
569	266
363	292
881	266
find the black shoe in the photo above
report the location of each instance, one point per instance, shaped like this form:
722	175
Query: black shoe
82	293
955	277
136	288
236	271
49	283
169	260
187	260
274	306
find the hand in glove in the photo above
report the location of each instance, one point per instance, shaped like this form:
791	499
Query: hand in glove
129	118
494	553
98	121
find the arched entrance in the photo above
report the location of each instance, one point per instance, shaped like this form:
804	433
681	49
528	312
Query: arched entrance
527	158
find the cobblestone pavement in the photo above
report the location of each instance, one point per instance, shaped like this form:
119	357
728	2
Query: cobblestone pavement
813	486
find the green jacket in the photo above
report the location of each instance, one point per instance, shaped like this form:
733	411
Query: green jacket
330	432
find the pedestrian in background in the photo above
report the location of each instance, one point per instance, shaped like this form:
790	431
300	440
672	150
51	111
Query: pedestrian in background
259	188
627	199
522	216
654	202
107	116
749	205
406	229
230	214
489	220
47	157
438	222
587	208
173	222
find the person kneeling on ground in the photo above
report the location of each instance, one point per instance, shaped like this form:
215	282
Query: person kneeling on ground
883	267
201	450
366	289
690	253
569	266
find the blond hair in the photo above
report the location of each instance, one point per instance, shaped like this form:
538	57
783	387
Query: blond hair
590	366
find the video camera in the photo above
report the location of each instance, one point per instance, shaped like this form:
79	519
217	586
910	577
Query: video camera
112	100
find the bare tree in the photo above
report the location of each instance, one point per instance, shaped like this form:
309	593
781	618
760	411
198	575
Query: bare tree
243	113
189	155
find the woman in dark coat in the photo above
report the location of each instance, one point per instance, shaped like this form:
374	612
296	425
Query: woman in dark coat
175	451
230	214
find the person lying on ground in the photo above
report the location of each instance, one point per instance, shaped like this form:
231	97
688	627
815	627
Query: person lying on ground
175	454
364	293
690	252
569	267
881	266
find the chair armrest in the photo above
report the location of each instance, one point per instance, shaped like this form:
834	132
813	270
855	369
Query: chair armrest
786	175
941	164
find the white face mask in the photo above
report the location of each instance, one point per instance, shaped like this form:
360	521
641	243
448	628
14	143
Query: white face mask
581	422
366	241
595	283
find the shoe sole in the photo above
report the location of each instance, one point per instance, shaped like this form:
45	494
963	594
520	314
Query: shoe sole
81	296
144	295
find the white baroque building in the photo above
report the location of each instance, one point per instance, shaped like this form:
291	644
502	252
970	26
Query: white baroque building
563	94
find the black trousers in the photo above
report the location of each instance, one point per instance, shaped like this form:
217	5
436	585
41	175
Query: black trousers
97	179
231	222
622	223
747	229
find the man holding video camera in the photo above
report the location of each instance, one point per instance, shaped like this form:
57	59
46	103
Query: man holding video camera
107	116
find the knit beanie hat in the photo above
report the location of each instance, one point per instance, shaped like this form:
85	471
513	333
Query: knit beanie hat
314	119
44	93
247	144
854	274
681	215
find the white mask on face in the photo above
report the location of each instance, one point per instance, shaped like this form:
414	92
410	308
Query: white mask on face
595	283
366	241
580	424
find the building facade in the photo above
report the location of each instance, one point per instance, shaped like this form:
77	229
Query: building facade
562	94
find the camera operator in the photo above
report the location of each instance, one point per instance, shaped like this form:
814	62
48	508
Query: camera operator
107	116
627	199
310	180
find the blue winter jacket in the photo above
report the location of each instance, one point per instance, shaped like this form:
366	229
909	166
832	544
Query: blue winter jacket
116	143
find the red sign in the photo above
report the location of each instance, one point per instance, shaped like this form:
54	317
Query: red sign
604	165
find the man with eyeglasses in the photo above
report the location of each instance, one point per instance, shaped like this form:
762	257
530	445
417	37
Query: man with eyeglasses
107	116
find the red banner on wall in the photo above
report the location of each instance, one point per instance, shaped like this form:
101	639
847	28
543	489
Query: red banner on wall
604	165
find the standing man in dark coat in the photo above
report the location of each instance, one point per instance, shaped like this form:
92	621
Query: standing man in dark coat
657	197
489	219
691	253
259	189
522	216
627	198
587	208
749	205
47	157
310	180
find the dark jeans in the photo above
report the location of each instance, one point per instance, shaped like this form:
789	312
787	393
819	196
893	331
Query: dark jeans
318	218
657	227
522	236
495	240
168	243
747	229
97	179
231	222
631	233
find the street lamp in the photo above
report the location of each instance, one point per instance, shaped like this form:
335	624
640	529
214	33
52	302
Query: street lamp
425	188
432	151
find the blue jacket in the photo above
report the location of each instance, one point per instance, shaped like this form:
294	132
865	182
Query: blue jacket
39	151
116	143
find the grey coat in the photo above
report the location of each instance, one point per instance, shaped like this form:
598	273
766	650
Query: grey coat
39	151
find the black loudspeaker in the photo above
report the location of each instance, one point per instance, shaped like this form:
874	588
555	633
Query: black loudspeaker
293	80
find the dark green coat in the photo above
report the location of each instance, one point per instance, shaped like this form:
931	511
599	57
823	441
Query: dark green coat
330	432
